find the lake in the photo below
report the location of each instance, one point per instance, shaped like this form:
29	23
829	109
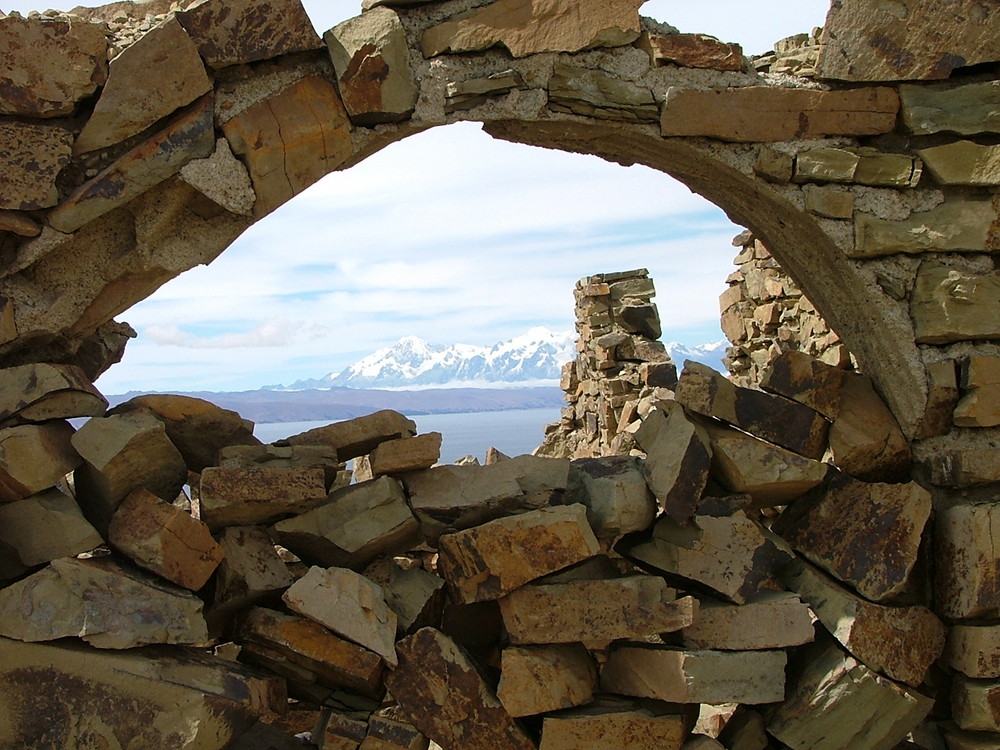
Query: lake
513	432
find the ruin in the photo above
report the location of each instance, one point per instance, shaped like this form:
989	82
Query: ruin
535	601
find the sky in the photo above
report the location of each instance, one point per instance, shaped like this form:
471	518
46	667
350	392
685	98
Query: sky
448	235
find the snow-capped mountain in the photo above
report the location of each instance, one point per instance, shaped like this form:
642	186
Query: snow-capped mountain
532	359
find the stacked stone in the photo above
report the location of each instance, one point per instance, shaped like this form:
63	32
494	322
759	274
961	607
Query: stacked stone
620	364
765	313
531	602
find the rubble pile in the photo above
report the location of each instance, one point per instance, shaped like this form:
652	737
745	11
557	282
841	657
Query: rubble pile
168	578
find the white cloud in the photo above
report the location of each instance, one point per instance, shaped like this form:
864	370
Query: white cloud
268	333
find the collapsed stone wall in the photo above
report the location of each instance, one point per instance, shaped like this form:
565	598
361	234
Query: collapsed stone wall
872	182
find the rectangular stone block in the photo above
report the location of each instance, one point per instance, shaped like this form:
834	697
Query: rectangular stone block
595	612
615	493
538	679
729	555
359	436
834	703
769	417
955	226
165	540
975	704
46	527
406	454
807	380
763	114
900	642
967	582
770	620
615	722
678	676
331	660
866	535
389	734
967	109
255	496
441	693
489	561
949	305
974	650
354	525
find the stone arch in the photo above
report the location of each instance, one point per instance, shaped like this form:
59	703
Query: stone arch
874	188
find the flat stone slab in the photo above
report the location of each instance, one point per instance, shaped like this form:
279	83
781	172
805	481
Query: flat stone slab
974	650
866	535
489	561
105	604
763	114
947	305
539	679
955	226
359	436
770	620
967	581
527	27
252	496
966	109
595	612
32	155
681	676
39	392
34	458
176	698
616	722
45	527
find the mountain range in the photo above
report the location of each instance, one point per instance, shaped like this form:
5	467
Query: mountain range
533	359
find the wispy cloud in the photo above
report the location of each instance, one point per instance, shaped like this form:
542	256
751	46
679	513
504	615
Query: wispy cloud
269	333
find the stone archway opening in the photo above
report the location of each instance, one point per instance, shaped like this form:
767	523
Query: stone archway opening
869	183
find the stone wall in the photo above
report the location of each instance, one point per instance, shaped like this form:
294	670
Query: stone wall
872	182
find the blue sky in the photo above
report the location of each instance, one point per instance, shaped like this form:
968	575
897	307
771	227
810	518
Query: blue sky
448	235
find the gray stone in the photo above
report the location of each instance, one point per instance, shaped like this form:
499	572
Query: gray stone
45	527
963	108
615	493
222	179
252	496
957	225
34	458
592	93
950	305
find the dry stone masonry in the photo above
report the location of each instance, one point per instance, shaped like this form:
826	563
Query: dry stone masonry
802	557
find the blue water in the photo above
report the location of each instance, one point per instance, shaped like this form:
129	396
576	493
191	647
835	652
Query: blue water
512	432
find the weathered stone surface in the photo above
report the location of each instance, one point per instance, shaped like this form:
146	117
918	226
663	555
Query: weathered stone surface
887	169
105	604
830	202
198	429
616	722
34	458
866	535
371	56
472	92
807	380
744	730
222	179
965	468
68	61
252	496
69	695
595	612
229	32
690	51
357	437
834	702
974	650
963	108
406	454
769	474
592	93
18	223
456	497
415	595
678	459
291	140
947	304
45	527
356	524
967	578
865	439
120	454
39	392
31	157
957	225
615	493
331	660
538	679
963	163
770	620
189	135
900	642
958	739
349	604
869	41
489	561
762	114
389	734
826	165
335	473
679	676
729	555
942	398
342	733
975	704
980	407
250	570
439	690
526	27
165	540
150	79
772	418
